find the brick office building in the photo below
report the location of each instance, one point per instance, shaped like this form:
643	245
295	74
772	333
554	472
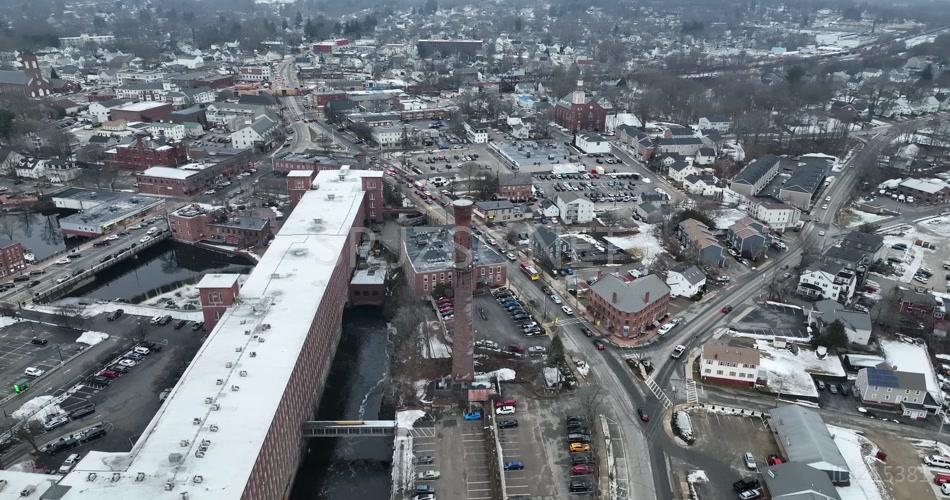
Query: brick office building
429	260
11	258
576	111
515	187
301	181
145	152
297	161
195	223
217	293
188	180
626	309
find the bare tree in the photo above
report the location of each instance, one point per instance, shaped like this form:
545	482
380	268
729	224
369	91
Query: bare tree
28	431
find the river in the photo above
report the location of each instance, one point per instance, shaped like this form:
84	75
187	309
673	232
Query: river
160	268
352	468
38	233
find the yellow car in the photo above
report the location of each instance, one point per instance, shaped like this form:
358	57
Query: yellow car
579	447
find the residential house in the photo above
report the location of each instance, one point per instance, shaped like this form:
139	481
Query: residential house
260	132
390	137
636	142
101	110
9	159
677	167
749	237
857	324
797	481
651	212
575	208
893	390
54	170
756	175
685	281
719	123
493	212
705	156
171	131
702	185
827	280
697	238
476	133
629	309
591	143
549	209
686	146
777	215
729	360
804	183
803	437
919	304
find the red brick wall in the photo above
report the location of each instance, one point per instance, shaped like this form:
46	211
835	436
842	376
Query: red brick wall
613	320
423	283
373	202
139	157
214	302
11	259
189	229
515	193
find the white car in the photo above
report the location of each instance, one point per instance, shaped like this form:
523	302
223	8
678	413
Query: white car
556	299
665	328
749	460
145	239
62	262
34	371
210	192
427	475
511	256
127	362
678	351
152	230
505	410
112	237
567	310
64	278
821	233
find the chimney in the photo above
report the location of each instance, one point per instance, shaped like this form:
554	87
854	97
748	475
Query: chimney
613	298
463	360
646	298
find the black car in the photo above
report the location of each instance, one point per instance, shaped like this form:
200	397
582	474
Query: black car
507	424
21	278
197	326
82	411
93	433
746	483
580	486
424	460
114	315
581	458
38	341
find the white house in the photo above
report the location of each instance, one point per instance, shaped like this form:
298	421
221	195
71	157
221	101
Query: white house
388	137
729	360
260	131
592	143
55	170
719	123
549	209
254	73
175	131
827	281
705	156
702	185
775	214
574	208
100	110
685	281
477	133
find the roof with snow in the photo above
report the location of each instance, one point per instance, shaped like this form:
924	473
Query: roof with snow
803	436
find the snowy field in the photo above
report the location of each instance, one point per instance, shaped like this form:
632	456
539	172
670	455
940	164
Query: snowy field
727	217
857	217
181	297
644	244
790	374
858	452
432	344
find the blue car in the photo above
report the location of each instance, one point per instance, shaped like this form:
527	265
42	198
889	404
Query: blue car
473	415
514	465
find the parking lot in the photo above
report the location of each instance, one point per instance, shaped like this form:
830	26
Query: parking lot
524	444
18	351
497	325
457	449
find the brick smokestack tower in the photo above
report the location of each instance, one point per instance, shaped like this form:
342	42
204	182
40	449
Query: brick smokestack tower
463	350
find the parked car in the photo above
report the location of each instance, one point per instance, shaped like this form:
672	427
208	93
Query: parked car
726	309
678	351
774	459
33	371
114	315
507	423
505	410
643	415
38	341
424	460
180	324
754	494
514	465
473	415
749	460
581	469
744	484
428	475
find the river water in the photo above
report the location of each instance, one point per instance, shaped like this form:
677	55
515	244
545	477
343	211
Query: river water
37	233
160	268
352	468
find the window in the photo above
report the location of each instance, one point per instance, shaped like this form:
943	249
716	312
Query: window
718	372
732	374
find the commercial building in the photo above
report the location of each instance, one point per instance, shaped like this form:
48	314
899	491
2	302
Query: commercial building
493	212
144	111
803	437
515	187
893	390
729	360
231	426
254	73
290	161
627	308
145	152
476	133
592	143
259	132
636	142
187	180
686	146
201	223
11	258
428	253
930	191
100	211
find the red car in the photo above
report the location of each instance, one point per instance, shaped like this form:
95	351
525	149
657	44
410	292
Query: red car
516	348
505	402
774	460
726	309
444	300
587	332
599	345
643	415
109	374
581	470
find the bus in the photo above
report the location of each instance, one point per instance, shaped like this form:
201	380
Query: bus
529	270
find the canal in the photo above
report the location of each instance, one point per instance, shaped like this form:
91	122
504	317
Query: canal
161	268
38	233
352	468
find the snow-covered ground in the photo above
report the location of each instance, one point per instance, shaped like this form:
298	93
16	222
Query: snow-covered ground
92	338
433	346
37	409
858	217
858	452
6	321
181	297
914	358
912	258
502	374
96	309
790	374
644	244
727	217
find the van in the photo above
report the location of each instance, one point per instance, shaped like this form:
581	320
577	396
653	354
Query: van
940	478
69	463
938	461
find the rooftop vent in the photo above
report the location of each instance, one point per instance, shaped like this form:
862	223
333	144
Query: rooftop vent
331	196
140	477
215	407
235	388
91	476
208	400
238	349
242	373
199	454
220	381
228	364
197	479
253	354
214	428
115	477
175	458
169	486
196	421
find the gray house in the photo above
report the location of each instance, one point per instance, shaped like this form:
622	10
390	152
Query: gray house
756	175
795	481
892	389
652	212
803	437
697	237
749	237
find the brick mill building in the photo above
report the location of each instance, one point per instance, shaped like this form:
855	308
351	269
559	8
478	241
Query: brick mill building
429	259
11	258
199	223
145	152
231	426
627	308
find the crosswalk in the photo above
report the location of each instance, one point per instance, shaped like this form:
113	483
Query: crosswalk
692	394
658	392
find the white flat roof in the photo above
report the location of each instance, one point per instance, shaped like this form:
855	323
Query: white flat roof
218	280
140	106
278	301
169	172
299	173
